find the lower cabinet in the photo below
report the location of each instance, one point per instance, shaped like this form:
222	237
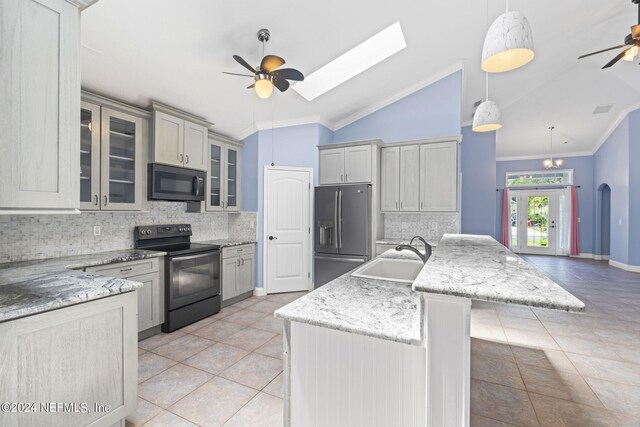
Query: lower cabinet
150	296
238	271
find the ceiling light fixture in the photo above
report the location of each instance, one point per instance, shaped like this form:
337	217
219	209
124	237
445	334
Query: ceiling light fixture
508	44
263	86
550	163
487	116
348	65
630	54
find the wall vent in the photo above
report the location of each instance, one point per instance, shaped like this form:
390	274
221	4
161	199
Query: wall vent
602	109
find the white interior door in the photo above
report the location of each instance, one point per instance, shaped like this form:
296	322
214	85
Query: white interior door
287	229
534	221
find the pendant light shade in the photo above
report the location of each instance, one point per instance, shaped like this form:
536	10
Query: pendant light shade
486	117
508	44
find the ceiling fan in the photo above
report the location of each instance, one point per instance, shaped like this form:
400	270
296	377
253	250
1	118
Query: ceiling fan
267	74
632	41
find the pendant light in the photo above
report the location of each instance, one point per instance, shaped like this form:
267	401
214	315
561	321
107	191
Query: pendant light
487	115
508	44
550	163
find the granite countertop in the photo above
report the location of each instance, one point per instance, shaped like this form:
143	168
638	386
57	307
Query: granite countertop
30	287
226	243
478	267
376	308
401	241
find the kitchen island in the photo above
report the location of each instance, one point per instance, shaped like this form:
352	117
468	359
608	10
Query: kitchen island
366	352
68	341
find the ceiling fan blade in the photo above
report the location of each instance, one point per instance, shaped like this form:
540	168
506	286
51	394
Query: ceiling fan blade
271	62
600	51
236	74
616	59
244	63
281	84
249	87
289	74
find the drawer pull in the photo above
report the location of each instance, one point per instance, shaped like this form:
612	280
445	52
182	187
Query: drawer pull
126	269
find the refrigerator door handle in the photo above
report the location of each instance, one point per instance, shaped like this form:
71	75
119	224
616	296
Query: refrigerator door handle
335	219
340	218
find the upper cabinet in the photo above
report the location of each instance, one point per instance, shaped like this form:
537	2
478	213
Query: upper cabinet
349	163
179	138
39	100
419	177
113	137
224	167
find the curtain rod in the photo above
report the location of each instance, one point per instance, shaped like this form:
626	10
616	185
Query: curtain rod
539	188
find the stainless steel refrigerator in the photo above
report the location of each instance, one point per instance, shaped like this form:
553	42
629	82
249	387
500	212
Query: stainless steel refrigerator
342	230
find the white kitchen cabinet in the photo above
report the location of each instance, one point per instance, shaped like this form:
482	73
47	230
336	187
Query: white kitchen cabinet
419	177
112	159
150	296
332	166
238	271
223	187
179	138
40	75
348	163
390	179
357	164
439	177
409	178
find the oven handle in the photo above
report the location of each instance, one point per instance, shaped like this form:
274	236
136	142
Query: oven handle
190	257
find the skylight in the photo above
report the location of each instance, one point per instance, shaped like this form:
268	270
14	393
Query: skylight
348	65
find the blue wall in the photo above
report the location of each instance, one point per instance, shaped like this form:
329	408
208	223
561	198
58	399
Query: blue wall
612	168
634	187
288	146
582	175
478	165
430	112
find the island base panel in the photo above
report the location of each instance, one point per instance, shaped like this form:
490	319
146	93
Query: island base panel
447	324
334	379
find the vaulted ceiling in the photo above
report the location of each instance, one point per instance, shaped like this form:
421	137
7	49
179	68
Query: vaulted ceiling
175	52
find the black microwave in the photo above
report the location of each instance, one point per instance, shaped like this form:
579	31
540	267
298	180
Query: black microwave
174	183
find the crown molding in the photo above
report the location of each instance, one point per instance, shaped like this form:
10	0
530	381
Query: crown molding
338	124
541	157
268	125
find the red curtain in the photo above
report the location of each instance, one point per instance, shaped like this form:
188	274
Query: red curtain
575	240
504	239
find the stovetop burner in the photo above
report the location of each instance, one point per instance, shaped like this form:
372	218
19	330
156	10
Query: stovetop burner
174	239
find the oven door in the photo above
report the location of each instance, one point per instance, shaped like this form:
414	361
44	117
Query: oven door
173	183
192	278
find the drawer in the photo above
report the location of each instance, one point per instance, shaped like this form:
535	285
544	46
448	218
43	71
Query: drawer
237	250
126	269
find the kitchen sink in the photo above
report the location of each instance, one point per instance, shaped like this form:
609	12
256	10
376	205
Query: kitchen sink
395	270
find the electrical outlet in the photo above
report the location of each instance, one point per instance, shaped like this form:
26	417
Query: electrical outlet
96	230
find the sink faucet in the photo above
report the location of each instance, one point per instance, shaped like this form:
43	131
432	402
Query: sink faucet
427	248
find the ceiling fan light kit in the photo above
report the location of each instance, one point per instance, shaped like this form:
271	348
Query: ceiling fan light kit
508	44
269	73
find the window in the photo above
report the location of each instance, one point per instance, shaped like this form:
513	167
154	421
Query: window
540	178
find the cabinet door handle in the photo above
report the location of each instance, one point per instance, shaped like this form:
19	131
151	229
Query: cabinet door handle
238	262
105	200
186	158
181	158
341	177
421	205
346	177
400	205
97	200
242	259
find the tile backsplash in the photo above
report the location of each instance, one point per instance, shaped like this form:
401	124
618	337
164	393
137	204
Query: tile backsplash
431	226
24	237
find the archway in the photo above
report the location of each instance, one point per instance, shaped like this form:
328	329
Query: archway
603	222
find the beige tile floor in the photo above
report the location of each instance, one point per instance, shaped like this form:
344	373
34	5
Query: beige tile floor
529	367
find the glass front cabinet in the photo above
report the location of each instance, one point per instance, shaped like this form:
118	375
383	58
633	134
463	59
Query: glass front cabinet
223	183
111	158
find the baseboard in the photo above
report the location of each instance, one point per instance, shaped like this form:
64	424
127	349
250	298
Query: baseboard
623	266
584	255
601	257
259	292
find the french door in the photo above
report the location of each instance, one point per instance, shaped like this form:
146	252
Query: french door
535	221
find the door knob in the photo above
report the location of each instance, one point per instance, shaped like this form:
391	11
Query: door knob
273	238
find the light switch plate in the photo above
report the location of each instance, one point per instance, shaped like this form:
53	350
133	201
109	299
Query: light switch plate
96	230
